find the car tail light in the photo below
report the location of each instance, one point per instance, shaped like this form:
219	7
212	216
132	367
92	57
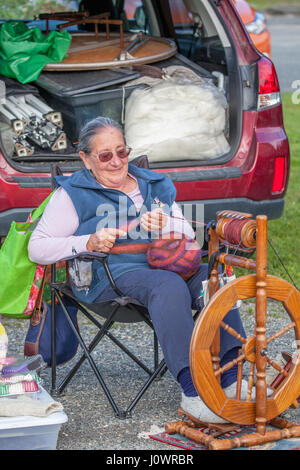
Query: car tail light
279	174
269	91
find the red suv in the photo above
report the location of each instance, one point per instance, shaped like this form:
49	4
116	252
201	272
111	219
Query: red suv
250	176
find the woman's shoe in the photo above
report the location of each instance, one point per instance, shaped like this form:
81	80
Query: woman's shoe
195	407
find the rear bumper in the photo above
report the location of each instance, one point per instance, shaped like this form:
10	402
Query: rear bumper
17	215
207	209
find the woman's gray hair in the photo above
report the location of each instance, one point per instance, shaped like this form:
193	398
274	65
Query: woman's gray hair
91	129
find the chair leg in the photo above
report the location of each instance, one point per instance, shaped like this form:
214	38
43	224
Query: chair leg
88	356
80	361
159	368
112	338
155	344
155	341
53	337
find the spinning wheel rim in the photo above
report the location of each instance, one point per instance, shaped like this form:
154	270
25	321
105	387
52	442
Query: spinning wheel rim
206	384
95	60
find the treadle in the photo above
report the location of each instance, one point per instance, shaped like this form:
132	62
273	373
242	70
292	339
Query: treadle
215	429
285	430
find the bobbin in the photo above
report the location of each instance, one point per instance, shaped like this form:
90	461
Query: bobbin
236	229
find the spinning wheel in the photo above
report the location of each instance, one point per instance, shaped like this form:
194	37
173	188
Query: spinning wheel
202	363
234	229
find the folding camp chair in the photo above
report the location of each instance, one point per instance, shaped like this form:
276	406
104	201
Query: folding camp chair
122	309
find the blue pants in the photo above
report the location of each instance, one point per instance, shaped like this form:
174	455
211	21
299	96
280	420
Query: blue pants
170	300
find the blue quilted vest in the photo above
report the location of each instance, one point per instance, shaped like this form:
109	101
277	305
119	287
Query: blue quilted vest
99	207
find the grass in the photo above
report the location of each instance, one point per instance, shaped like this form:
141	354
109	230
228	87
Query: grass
265	4
283	233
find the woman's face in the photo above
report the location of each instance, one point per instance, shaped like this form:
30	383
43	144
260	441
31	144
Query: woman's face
114	172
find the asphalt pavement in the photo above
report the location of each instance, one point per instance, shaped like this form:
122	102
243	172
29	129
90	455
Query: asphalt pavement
285	46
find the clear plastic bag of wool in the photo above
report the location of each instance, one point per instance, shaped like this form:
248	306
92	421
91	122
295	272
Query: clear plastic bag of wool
179	117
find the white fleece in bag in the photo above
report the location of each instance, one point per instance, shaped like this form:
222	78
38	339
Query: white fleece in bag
176	119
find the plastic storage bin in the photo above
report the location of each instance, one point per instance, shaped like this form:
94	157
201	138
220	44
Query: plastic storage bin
77	110
31	432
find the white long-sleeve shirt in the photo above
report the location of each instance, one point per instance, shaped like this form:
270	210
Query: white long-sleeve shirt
53	238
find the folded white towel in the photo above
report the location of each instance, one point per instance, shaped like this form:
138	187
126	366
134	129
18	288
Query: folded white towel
23	405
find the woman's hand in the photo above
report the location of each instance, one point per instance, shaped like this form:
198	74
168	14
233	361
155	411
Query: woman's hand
103	240
154	221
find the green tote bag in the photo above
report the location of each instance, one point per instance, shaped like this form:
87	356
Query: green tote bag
17	272
25	51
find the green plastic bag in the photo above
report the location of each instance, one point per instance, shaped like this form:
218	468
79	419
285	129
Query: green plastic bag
25	51
17	272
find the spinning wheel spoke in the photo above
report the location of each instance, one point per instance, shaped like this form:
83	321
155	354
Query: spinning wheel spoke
276	366
230	364
232	332
239	378
250	381
281	332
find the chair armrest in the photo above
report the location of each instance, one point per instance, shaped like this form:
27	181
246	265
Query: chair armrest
87	256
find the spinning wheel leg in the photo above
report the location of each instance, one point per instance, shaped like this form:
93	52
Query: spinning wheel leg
184	429
261	319
255	439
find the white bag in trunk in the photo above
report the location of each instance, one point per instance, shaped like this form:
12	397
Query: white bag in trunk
177	119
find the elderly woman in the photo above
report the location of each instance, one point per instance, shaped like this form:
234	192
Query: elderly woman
85	214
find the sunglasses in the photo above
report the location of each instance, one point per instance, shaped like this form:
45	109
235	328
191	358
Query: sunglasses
107	156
